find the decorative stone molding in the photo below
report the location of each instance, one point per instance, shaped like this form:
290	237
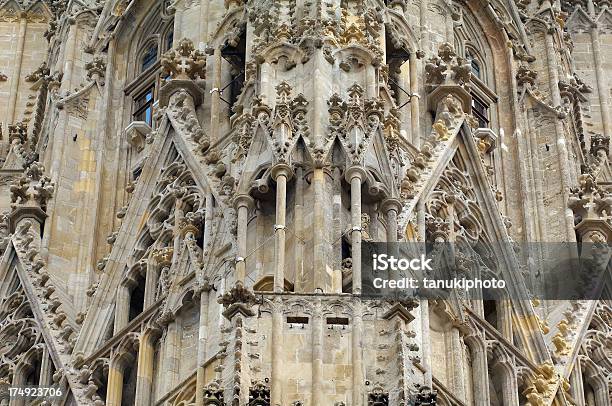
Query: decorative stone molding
185	65
486	139
259	394
96	68
163	256
526	76
426	396
237	300
600	145
448	74
29	195
137	133
591	205
213	394
378	396
40	73
182	113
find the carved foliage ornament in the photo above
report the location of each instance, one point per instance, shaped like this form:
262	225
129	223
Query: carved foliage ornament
184	62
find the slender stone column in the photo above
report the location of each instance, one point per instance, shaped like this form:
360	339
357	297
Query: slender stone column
144	375
317	355
204	16
122	309
151	278
357	353
423	4
457	364
563	156
576	384
414	101
602	87
505	318
202	339
392	207
208	216
18	380
318	238
480	373
242	203
356	175
215	103
12	105
70	52
510	387
46	368
277	348
171	356
601	395
502	365
280	173
114	387
424	304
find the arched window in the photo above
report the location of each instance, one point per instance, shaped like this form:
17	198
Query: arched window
149	57
169	40
476	68
480	102
154	38
475	64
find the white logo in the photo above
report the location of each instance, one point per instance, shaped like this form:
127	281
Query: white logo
384	262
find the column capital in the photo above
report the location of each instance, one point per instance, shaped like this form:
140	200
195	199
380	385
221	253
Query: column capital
391	204
243	200
281	169
355	172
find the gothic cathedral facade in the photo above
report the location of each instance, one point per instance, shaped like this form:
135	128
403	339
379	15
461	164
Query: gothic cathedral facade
186	186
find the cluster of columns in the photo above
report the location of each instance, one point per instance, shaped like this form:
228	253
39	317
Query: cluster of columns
150	270
25	367
579	385
123	359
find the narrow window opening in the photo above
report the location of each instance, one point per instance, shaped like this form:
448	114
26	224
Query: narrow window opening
169	40
338	321
143	106
149	57
347	266
34	374
137	299
235	55
128	395
490	312
297	320
480	109
476	71
396	55
474	64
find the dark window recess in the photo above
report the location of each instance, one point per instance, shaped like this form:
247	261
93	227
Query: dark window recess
490	312
476	71
149	57
143	107
297	320
136	173
236	57
481	112
170	40
340	321
396	55
136	301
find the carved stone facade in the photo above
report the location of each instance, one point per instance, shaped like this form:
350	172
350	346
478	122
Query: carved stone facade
186	186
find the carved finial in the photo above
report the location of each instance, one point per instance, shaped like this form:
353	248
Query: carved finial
184	62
